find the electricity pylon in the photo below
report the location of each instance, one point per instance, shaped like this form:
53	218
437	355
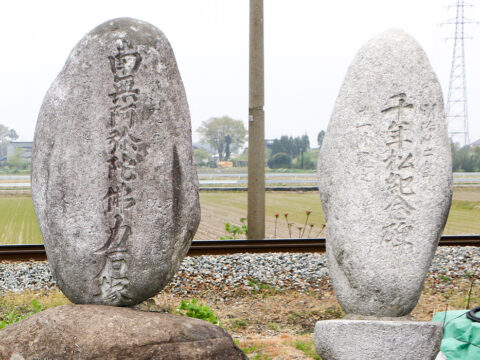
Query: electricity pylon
457	106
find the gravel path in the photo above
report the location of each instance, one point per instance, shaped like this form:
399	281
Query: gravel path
224	273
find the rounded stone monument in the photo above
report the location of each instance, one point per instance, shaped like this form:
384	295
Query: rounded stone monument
114	184
385	178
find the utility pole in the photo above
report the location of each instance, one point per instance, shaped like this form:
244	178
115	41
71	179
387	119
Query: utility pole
457	107
256	126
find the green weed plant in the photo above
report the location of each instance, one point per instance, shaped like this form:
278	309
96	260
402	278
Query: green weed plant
307	348
15	314
235	230
196	310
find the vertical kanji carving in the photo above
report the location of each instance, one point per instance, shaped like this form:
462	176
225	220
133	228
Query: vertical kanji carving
399	164
125	151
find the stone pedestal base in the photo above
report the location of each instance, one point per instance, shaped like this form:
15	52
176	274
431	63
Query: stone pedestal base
78	332
379	340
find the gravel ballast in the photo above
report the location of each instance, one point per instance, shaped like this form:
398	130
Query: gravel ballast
225	273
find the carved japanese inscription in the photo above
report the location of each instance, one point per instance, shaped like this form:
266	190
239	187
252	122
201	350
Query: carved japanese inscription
114	185
399	165
427	113
124	153
385	177
365	141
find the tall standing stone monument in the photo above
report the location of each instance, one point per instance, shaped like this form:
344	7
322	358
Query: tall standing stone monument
385	178
114	184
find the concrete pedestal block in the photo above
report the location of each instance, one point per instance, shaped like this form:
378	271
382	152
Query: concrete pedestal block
376	339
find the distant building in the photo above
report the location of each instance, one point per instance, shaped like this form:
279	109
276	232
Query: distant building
475	143
269	142
26	146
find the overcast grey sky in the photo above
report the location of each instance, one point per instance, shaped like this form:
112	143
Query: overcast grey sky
308	47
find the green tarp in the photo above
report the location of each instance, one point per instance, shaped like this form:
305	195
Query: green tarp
461	336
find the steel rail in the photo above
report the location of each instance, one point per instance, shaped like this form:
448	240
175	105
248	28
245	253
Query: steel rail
27	190
267	188
223	247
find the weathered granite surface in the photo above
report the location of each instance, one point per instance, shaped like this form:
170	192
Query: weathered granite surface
114	184
385	177
105	332
379	340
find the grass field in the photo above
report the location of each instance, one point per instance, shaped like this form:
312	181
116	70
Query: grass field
18	224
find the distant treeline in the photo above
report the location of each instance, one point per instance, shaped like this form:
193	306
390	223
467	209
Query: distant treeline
465	159
287	152
291	152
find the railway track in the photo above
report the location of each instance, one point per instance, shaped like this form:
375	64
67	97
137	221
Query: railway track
223	247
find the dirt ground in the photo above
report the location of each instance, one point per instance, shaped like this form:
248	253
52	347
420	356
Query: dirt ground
277	324
464	193
270	324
